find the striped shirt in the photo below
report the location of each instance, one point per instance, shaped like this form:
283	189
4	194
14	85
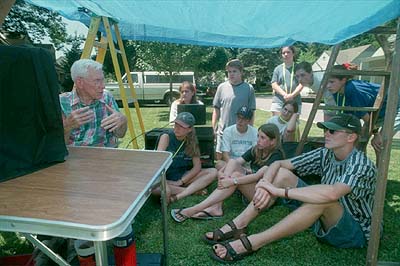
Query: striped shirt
90	134
356	171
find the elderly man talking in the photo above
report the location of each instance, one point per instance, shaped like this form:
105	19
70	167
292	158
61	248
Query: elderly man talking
90	113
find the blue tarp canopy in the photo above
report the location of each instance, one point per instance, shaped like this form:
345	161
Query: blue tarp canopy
229	23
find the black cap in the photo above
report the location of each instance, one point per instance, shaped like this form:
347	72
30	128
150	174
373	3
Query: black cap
246	112
345	122
185	119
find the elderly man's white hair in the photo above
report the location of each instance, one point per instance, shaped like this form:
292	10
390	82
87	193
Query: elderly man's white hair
80	68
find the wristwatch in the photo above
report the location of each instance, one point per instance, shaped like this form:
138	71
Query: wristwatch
235	181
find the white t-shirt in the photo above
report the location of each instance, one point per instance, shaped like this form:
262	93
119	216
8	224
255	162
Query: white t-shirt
237	143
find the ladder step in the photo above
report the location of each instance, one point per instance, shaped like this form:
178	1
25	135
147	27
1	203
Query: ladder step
348	108
359	72
102	45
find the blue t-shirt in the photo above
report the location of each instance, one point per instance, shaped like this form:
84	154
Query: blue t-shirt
358	93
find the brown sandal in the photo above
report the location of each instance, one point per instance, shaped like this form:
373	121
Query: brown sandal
231	255
219	236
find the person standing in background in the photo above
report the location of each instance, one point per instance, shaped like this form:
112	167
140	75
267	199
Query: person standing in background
231	95
284	83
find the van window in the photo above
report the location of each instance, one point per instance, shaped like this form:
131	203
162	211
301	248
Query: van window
165	78
152	79
183	78
134	76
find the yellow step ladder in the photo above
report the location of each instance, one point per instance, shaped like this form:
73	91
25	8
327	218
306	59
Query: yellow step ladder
102	45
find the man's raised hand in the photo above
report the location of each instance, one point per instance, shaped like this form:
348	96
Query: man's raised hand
79	117
114	121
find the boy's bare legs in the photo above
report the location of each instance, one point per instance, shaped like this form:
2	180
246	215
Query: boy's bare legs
297	221
284	178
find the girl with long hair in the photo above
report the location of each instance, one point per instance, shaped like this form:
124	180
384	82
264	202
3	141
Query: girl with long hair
236	176
185	175
188	96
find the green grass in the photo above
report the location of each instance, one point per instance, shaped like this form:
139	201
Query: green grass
186	248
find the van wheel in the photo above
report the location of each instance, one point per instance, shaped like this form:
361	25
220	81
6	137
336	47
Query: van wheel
169	100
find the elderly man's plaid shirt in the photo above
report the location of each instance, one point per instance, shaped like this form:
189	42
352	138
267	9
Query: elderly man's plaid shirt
90	134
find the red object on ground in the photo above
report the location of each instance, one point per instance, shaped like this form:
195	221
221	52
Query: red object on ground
17	260
125	256
125	248
87	261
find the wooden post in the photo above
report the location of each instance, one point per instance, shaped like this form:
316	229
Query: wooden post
5	6
387	136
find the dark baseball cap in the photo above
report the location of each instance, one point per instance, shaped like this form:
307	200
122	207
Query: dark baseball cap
346	122
185	119
246	112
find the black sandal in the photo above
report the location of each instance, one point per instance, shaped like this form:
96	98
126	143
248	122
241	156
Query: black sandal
231	255
219	236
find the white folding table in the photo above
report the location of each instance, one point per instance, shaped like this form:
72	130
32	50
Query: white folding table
94	195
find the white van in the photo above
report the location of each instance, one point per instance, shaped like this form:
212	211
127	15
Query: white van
152	86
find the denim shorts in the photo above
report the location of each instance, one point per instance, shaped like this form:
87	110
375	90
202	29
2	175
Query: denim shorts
347	232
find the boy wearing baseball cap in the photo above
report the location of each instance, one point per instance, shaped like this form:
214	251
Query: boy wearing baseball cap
238	138
338	210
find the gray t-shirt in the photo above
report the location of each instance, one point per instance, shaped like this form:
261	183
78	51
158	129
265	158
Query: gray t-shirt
287	83
228	99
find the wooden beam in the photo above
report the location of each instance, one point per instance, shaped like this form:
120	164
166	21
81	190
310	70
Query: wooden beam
383	30
387	137
5	6
359	72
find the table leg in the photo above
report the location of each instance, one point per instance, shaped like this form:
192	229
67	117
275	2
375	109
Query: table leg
100	248
50	253
164	215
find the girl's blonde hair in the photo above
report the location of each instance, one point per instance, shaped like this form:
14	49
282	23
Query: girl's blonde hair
192	144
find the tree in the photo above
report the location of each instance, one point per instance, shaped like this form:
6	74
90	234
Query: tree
164	57
214	59
259	64
71	56
36	22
